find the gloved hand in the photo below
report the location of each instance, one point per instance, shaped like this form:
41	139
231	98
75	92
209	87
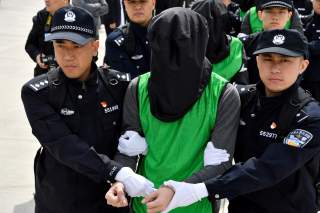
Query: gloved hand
185	194
214	156
135	185
132	144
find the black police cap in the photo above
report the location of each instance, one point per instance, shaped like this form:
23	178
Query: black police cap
74	24
284	42
263	4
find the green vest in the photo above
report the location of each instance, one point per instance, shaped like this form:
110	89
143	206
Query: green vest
176	149
256	24
229	66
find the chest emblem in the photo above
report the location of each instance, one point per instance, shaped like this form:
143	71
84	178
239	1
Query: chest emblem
111	109
66	111
298	138
137	57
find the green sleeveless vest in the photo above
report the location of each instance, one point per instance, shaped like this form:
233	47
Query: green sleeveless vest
176	149
256	24
229	66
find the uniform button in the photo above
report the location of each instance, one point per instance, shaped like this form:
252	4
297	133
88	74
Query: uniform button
147	42
298	114
114	123
79	97
253	115
138	67
216	196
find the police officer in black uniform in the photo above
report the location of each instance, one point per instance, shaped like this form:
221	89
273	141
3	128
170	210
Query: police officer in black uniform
127	48
37	48
311	78
75	113
278	146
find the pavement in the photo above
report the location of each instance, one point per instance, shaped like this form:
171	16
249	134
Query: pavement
17	144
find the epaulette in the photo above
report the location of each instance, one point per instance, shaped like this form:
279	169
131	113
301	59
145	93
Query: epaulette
246	93
38	83
245	88
113	77
119	40
118	36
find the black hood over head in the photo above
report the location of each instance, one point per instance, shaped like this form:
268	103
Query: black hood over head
216	14
179	70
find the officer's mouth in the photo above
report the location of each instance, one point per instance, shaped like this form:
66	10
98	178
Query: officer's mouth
275	80
70	67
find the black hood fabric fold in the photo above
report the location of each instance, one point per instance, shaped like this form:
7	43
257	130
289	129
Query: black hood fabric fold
216	15
179	70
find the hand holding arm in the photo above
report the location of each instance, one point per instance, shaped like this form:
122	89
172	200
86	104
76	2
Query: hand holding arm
135	185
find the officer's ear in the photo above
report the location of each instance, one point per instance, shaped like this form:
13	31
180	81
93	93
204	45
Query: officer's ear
95	46
154	4
259	12
303	65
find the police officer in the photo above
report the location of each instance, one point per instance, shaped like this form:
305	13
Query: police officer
75	113
37	48
272	15
278	140
253	23
127	48
311	78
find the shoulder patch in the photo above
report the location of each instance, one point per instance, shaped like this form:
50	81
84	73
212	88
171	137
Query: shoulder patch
298	138
120	76
39	83
119	40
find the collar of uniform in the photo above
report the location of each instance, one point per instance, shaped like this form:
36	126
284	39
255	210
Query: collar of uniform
316	16
285	95
139	30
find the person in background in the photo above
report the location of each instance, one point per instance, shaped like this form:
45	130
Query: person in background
37	48
127	47
112	19
97	8
277	156
226	53
162	5
253	20
311	78
273	15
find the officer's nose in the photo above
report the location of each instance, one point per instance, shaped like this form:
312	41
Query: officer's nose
68	54
275	68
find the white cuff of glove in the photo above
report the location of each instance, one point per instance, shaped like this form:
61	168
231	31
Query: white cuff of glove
132	144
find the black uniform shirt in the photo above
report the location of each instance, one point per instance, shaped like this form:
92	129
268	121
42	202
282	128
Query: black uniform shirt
78	136
272	175
129	54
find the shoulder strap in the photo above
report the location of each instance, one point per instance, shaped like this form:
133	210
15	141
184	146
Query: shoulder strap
247	93
129	39
115	82
57	89
289	110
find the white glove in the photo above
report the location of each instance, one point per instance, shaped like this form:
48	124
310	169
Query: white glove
185	194
135	185
132	144
214	156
